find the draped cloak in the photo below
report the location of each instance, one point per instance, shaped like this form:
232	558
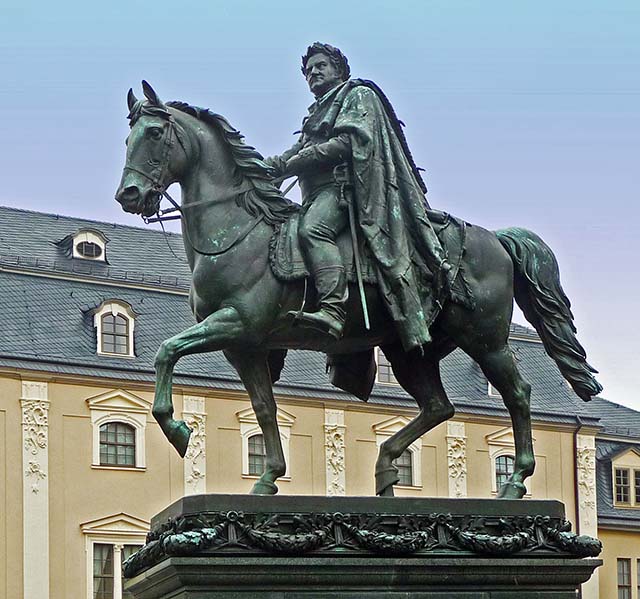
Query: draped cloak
391	208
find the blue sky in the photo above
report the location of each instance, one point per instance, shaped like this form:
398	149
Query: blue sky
522	113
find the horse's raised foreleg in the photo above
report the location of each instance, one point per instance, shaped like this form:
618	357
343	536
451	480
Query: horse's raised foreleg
213	333
253	370
420	377
500	368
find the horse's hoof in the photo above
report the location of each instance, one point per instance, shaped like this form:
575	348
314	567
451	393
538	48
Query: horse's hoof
385	479
179	437
512	491
263	487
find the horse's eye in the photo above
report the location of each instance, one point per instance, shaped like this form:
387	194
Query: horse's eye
155	132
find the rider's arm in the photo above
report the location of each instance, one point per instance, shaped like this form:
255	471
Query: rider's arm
279	163
328	153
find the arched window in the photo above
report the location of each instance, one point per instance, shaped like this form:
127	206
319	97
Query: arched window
117	444
114	322
257	455
115	334
404	464
504	469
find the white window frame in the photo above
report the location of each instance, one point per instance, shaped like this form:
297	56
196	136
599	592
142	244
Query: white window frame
502	443
492	391
378	353
249	426
117	530
115	308
386	429
630	461
119	406
89	236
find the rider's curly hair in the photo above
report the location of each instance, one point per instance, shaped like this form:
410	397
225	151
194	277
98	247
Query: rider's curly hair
337	58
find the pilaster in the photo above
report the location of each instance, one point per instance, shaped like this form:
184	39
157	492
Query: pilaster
334	430
35	488
587	508
457	459
195	460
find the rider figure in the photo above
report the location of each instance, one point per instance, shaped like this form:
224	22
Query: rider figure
332	137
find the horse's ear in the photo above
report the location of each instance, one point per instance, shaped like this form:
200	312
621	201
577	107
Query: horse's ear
150	94
131	99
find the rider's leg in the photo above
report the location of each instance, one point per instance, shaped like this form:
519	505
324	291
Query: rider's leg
321	222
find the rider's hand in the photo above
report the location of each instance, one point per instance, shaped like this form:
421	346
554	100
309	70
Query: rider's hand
277	165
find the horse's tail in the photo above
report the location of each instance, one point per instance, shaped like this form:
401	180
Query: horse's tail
540	296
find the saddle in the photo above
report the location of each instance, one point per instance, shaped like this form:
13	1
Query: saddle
287	264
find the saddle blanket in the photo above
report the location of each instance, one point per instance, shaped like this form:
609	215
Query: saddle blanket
287	263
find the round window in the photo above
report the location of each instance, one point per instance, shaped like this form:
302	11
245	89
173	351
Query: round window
89	249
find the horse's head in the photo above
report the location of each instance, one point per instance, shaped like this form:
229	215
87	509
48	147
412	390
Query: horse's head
155	154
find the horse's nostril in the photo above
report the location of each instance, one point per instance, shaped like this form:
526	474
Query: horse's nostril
129	194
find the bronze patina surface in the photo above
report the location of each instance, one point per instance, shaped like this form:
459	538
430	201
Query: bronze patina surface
232	210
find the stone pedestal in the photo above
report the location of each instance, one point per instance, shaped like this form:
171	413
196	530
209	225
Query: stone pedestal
233	547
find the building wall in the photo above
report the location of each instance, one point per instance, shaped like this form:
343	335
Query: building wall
80	493
11	549
618	544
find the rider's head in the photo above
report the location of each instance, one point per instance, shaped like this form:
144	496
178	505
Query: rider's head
324	67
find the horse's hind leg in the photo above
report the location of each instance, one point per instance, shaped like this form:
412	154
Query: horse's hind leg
420	377
500	368
215	332
253	370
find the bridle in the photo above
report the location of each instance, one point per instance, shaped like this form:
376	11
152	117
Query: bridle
161	190
156	181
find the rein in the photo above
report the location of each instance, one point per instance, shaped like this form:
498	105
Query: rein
161	190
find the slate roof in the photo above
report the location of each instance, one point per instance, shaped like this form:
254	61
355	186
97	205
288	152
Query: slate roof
620	432
28	242
47	324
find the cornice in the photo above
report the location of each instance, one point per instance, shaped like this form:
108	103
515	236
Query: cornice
92	280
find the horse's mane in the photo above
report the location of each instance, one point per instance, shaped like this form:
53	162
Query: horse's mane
265	198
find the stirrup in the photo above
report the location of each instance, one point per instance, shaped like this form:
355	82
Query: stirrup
319	321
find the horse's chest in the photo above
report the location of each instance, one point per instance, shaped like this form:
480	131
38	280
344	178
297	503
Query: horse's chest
209	284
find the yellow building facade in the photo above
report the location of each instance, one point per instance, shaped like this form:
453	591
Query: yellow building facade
60	504
84	466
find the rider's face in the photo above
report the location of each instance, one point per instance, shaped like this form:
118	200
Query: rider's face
321	75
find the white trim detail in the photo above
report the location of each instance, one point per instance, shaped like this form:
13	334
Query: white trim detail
587	508
117	530
457	458
90	236
249	426
384	430
334	450
119	406
35	489
501	443
195	460
115	308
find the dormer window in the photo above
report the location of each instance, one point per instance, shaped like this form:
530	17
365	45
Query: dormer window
114	321
89	244
89	249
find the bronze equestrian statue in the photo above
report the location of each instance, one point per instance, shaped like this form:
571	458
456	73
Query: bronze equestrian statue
352	153
424	295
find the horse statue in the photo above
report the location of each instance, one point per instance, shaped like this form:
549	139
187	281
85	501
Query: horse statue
231	209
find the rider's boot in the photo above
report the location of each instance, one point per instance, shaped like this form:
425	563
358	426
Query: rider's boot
331	283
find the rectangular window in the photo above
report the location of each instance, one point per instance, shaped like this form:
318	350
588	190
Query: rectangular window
102	571
624	579
385	373
637	487
638	575
622	485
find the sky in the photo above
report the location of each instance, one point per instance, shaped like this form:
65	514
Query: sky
522	114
